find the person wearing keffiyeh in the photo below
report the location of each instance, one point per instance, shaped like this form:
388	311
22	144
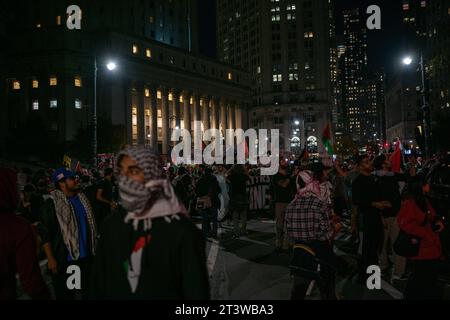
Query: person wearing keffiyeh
148	248
307	222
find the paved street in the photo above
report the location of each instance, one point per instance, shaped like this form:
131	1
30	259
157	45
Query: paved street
248	268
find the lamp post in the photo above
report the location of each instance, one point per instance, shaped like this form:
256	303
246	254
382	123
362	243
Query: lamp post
111	66
425	107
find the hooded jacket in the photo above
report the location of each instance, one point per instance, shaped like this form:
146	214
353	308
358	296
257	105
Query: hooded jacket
17	246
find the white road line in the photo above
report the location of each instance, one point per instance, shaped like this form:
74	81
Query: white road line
212	257
254	241
390	290
386	286
310	288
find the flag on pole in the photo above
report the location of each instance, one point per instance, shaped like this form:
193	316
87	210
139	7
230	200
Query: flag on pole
326	140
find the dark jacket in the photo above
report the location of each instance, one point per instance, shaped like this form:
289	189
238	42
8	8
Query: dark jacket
173	263
389	191
208	185
49	231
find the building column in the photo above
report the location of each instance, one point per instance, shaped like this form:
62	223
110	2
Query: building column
176	107
232	116
165	120
154	117
215	113
140	115
187	110
223	116
244	115
205	113
238	116
197	114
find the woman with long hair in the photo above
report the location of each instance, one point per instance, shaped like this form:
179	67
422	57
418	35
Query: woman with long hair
418	218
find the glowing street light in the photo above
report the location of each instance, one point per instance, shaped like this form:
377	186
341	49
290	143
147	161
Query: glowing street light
111	66
407	61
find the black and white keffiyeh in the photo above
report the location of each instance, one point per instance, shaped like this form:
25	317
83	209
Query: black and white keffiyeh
68	224
156	198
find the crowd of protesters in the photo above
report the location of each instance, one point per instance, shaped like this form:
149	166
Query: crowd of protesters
131	233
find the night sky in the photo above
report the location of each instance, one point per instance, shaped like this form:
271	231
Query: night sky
384	46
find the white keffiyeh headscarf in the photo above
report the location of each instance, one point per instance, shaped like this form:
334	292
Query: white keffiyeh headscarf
154	199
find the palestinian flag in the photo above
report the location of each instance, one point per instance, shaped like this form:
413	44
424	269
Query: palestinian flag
326	140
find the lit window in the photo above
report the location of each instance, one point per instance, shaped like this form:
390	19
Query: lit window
135	49
406	6
78	104
170	97
53	103
35	84
77	81
53	81
230	76
35	105
151	19
259	69
16	85
147	92
159	95
148	53
58	20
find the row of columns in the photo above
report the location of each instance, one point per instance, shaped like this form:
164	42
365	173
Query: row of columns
213	112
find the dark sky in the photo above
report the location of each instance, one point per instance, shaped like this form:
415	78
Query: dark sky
384	46
207	27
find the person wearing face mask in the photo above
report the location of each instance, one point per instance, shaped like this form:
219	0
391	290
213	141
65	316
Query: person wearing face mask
148	248
68	232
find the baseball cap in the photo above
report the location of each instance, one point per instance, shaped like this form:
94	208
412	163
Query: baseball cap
62	173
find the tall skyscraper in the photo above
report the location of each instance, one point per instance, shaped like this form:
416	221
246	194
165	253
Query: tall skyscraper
354	74
288	47
427	24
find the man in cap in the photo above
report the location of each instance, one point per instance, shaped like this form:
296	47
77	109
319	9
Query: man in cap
68	232
148	248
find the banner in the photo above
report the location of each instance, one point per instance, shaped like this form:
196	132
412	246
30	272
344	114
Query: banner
105	160
258	189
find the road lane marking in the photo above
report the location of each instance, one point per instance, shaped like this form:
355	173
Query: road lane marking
390	290
212	257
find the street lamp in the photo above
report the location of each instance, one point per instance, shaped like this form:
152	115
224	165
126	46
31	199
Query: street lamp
111	66
407	61
425	107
